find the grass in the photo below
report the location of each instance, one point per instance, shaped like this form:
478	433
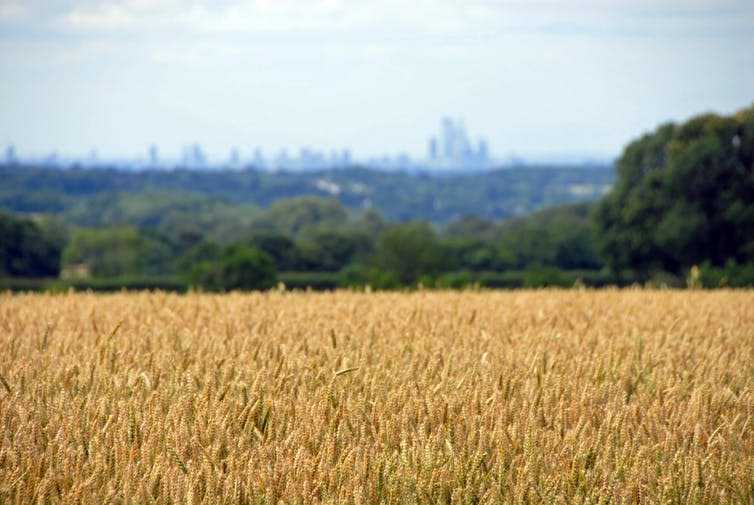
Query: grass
548	396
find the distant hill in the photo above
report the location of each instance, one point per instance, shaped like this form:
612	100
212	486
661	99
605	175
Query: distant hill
399	196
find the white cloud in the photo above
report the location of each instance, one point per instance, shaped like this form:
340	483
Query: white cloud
359	66
419	17
281	15
104	17
12	11
189	30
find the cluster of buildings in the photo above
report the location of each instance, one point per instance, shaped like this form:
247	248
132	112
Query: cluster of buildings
454	150
306	159
450	150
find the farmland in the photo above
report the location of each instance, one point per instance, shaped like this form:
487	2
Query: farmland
548	396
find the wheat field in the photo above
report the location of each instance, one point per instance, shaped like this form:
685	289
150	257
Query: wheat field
542	396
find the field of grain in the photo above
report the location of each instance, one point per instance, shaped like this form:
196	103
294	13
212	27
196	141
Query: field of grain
426	397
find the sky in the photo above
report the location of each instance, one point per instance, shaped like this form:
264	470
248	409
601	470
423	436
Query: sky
535	78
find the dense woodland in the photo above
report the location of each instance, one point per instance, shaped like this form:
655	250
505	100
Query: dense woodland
680	212
107	197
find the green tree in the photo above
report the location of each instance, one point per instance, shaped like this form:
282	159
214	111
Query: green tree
469	227
474	255
294	216
684	194
559	237
120	251
236	266
245	268
333	249
410	251
29	248
107	253
370	222
282	249
196	265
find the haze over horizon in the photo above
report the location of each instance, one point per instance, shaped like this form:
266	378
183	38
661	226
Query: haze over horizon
535	78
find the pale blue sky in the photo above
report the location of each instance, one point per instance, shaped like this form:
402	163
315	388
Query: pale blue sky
533	77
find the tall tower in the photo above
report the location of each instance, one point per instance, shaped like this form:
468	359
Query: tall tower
483	153
448	138
10	155
154	158
235	157
259	161
432	149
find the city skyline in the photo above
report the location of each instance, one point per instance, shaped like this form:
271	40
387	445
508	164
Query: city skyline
450	148
536	79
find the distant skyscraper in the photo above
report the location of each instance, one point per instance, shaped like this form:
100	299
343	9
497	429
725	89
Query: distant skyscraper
402	161
483	152
448	138
10	155
259	161
454	150
154	158
432	149
282	160
193	156
235	157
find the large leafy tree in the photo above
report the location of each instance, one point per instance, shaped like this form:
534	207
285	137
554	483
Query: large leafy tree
295	216
554	237
29	248
245	268
411	250
107	253
119	251
235	266
332	249
282	249
684	195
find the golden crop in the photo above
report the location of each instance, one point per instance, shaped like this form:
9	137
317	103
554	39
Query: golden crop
426	397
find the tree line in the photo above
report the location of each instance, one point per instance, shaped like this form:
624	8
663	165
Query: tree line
105	196
681	210
316	235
